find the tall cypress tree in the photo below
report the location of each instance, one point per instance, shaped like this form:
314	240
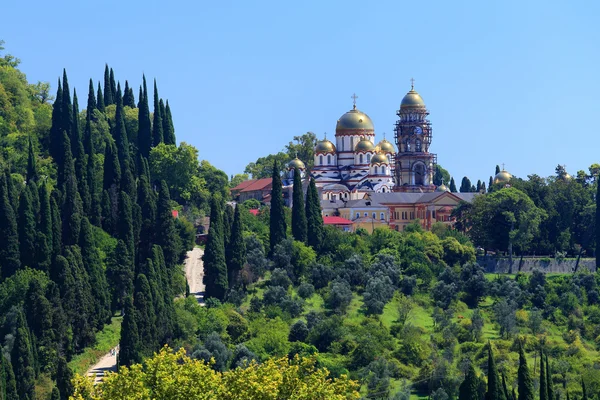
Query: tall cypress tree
128	100
130	345
11	190
144	125
108	220
166	234
543	383
39	313
597	223
169	130
215	266
9	377
9	248
22	360
32	171
125	222
67	107
56	228
549	380
91	102
80	158
507	394
583	389
147	201
227	222
64	378
157	126
277	222
45	222
469	388
26	228
119	275
236	251
108	93
57	129
314	219
525	383
452	186
100	99
72	208
146	316
497	170
299	225
113	86
93	209
112	168
76	142
494	389
127	183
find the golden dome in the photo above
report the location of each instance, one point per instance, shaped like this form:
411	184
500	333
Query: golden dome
325	146
442	188
567	177
296	163
354	119
364	145
502	177
379	158
412	99
386	147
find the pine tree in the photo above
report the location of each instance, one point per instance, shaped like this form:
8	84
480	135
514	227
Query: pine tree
130	345
277	222
146	317
26	228
144	125
128	99
494	389
452	185
543	383
157	125
314	219
169	131
525	383
549	380
108	94
469	388
64	378
56	228
236	251
73	207
22	360
9	238
100	99
215	267
32	171
299	225
166	234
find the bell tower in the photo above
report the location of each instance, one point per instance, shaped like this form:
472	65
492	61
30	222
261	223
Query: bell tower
415	165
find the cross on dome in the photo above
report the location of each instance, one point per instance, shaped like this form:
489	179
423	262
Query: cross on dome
412	83
354	97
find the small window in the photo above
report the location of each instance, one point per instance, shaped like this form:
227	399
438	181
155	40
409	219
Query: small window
357	215
381	216
360	159
366	214
374	216
328	159
368	158
376	170
334	197
320	160
382	170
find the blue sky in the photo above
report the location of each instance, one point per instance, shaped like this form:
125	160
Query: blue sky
513	82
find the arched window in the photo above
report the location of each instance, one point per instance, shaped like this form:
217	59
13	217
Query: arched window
375	170
320	160
351	143
368	158
374	216
360	158
383	170
366	214
357	215
381	216
418	145
328	159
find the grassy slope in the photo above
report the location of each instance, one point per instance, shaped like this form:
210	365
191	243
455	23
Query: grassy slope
105	340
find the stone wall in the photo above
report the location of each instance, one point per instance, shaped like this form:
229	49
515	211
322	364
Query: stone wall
546	265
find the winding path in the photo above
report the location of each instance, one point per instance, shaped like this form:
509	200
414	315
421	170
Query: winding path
106	363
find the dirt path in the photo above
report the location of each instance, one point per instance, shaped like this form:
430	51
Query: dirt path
106	363
194	272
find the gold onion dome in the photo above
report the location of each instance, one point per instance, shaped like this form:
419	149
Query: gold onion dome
386	147
412	99
379	158
442	188
502	177
325	146
354	119
364	145
296	163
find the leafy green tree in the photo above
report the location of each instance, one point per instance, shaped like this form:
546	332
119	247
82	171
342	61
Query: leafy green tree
215	180
452	186
277	222
263	167
26	228
469	388
378	292
440	176
314	220
494	389
339	296
23	361
157	124
299	224
525	384
215	266
130	345
304	148
236	251
9	250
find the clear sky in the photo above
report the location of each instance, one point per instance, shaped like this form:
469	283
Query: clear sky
513	82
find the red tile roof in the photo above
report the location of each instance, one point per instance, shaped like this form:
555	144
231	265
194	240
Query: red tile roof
254	211
253	184
336	221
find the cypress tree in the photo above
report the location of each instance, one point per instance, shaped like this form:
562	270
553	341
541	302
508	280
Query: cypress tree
140	97
120	275
584	395
491	182
507	395
56	228
146	317
10	259
130	345
299	227
100	99
147	201
543	383
314	219
597	223
76	143
227	222
80	159
452	186
11	382
108	94
64	378
144	125
215	267
67	108
32	171
236	251
136	213
169	131
525	383
113	87
478	188
91	102
95	272
12	192
163	116
469	388
497	170
494	389
56	130
483	188
112	168
465	185
59	319
549	380
45	222
108	222
72	208
277	222
166	234
93	210
22	360
43	252
122	141
157	126
26	228
125	223
35	201
128	100
39	314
